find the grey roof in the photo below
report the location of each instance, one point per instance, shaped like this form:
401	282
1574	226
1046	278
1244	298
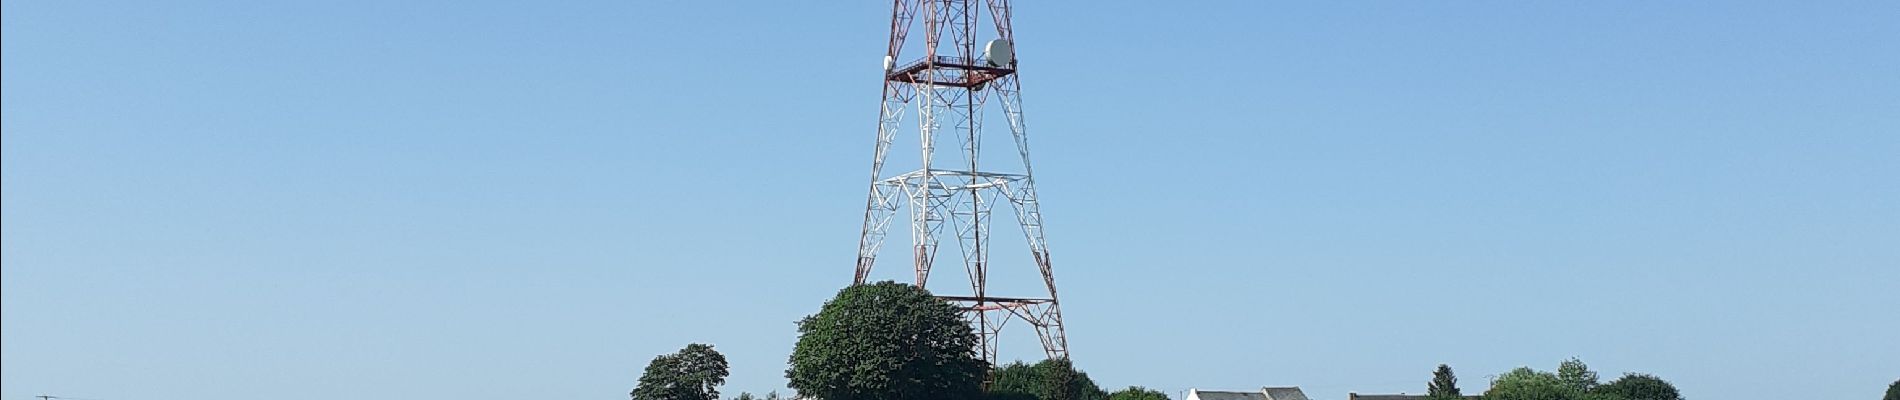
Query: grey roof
1356	396
1284	393
1213	395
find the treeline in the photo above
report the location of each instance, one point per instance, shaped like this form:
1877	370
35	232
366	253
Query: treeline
889	340
882	341
1573	381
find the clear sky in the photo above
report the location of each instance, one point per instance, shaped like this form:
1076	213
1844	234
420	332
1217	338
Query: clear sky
487	200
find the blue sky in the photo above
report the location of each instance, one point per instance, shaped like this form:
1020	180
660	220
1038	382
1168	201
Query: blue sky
384	200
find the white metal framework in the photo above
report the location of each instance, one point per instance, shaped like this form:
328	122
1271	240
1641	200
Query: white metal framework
952	85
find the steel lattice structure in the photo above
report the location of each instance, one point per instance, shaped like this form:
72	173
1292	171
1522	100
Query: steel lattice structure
952	86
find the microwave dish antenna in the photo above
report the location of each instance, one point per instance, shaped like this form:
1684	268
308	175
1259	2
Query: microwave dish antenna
999	53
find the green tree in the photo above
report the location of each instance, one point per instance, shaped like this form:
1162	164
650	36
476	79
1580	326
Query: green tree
1008	381
1137	393
694	373
1577	376
993	395
885	340
745	396
1638	387
1893	391
1060	373
1444	385
1046	380
1524	383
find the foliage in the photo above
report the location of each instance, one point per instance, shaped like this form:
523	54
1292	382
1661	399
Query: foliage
748	396
885	340
1137	393
1061	373
1016	378
1575	381
1444	385
1639	387
1054	379
694	373
1893	391
1008	396
1576	376
1524	383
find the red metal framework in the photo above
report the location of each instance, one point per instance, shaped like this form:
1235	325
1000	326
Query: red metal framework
952	87
948	71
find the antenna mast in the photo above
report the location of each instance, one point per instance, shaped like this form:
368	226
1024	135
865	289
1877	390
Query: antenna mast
952	85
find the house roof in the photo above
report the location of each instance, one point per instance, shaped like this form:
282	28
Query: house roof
1284	393
1265	393
1356	396
1216	395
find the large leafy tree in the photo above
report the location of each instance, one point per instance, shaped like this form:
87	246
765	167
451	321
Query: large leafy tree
749	396
1638	387
1055	379
993	395
885	340
1576	376
1137	393
694	373
1893	391
1444	385
1524	383
1575	381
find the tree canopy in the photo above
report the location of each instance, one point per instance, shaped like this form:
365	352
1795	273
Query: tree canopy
1055	379
1137	393
1576	376
1575	381
749	396
1444	385
1635	386
1524	383
885	340
1893	391
694	373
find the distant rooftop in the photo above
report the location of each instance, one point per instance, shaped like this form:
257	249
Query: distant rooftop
1284	393
1265	393
1218	395
1356	396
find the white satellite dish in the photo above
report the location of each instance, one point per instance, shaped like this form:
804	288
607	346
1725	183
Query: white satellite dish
999	53
888	63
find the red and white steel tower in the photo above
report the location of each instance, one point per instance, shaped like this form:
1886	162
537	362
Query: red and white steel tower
967	70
